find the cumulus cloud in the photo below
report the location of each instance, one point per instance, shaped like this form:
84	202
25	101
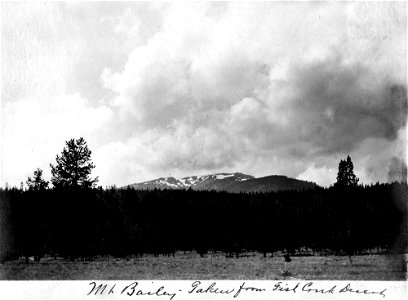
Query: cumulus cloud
251	86
337	107
262	88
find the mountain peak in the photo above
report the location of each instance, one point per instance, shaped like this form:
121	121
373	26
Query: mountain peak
230	182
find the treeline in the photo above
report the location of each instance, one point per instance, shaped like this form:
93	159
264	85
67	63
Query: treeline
87	222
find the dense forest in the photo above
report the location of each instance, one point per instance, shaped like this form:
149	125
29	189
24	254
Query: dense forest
88	222
76	219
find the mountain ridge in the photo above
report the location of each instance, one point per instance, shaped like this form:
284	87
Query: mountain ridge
230	182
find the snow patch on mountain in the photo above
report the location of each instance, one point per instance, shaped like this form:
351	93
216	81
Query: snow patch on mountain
199	182
223	176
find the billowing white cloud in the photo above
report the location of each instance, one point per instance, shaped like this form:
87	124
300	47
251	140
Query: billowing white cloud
263	88
267	87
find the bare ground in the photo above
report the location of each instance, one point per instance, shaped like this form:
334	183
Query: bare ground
213	266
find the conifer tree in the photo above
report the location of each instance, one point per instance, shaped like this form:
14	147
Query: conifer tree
74	166
345	175
37	183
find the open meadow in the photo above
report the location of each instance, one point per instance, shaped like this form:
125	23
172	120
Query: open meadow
252	266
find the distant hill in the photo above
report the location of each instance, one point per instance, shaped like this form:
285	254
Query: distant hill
230	182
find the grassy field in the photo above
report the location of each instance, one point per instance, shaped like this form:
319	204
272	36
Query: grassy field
212	266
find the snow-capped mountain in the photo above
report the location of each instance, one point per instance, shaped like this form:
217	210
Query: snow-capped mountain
230	182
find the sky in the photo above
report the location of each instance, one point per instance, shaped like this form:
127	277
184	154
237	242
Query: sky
180	89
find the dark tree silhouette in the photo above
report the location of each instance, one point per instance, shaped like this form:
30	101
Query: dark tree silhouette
125	222
37	183
74	166
345	175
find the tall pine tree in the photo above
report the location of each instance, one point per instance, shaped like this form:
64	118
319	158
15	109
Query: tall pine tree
74	166
345	175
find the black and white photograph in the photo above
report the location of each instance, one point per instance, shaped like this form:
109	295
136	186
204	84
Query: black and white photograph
204	141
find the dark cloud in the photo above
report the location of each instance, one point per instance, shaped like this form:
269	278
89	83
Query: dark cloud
335	107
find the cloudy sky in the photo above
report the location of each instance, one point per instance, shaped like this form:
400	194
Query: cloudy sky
177	89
